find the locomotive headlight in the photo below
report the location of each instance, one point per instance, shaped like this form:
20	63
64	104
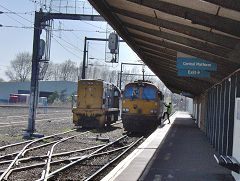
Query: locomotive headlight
127	109
123	109
153	111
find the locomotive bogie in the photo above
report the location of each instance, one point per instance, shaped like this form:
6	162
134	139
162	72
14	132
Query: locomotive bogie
139	123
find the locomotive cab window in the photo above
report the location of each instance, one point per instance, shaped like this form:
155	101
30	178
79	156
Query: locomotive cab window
116	93
161	96
148	93
132	92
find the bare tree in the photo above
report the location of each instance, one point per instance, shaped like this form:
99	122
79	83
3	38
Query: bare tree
50	72
68	71
20	67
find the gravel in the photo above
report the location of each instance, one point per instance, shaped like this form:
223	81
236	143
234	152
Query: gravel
55	121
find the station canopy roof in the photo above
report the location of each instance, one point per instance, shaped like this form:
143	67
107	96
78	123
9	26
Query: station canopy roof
157	30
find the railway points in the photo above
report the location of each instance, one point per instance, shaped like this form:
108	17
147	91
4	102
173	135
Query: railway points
195	54
30	159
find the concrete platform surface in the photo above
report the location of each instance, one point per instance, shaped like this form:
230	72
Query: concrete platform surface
174	152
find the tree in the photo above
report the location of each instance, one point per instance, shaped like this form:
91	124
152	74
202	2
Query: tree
1	80
53	97
20	68
68	71
62	95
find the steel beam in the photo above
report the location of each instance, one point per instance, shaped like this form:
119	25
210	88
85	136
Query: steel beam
105	10
157	48
163	56
210	48
184	82
174	70
190	51
223	24
219	74
34	77
83	17
218	39
220	70
177	83
154	47
41	17
215	77
177	87
166	52
230	4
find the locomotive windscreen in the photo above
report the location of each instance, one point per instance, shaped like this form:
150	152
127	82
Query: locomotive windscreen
148	93
132	92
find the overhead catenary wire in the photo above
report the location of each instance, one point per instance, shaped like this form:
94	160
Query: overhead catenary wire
40	4
67	30
14	20
75	47
16	14
24	13
65	48
31	27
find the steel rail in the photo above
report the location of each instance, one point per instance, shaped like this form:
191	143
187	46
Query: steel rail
14	144
54	155
80	159
64	160
113	160
29	149
20	153
43	145
23	122
46	172
15	153
25	147
26	115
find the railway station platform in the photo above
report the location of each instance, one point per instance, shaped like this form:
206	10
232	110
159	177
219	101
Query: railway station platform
174	152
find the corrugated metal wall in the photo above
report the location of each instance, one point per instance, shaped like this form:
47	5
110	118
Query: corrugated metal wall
219	117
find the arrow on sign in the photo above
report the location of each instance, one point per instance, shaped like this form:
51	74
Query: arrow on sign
193	73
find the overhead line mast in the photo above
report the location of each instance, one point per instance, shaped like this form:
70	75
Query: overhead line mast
38	50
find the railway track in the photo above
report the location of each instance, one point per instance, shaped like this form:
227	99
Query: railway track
54	113
7	121
41	160
18	123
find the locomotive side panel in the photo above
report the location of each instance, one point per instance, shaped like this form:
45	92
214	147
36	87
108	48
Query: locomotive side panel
94	104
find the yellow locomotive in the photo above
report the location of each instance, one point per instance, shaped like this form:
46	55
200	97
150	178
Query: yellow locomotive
142	106
97	104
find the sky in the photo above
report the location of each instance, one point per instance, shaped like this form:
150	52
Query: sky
16	33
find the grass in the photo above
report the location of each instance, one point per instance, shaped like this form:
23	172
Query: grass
47	140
